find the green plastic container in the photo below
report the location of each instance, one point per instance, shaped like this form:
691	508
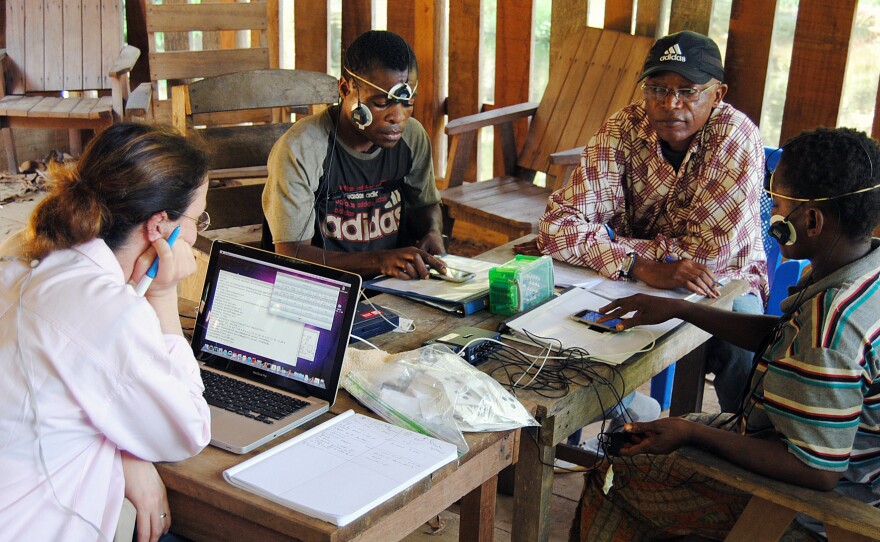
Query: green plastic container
520	284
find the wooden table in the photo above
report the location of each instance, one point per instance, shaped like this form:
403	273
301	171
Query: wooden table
559	417
206	507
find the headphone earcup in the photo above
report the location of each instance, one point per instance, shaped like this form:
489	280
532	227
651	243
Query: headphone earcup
361	116
782	230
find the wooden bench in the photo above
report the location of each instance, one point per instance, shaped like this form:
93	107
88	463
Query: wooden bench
774	504
58	47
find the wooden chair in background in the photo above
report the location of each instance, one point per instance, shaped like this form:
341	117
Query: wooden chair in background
192	41
241	151
594	76
72	46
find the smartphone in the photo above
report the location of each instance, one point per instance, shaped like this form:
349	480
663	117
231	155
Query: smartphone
452	275
589	318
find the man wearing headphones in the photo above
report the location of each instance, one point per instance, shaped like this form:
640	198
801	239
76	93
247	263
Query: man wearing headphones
353	187
809	416
668	192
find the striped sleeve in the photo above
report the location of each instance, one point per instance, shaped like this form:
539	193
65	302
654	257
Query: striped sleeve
815	391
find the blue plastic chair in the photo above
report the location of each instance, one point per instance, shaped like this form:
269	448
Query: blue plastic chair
780	276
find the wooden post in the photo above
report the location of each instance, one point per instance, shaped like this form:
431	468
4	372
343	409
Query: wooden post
818	63
691	15
357	18
647	17
311	35
619	15
748	54
513	54
421	23
465	37
136	25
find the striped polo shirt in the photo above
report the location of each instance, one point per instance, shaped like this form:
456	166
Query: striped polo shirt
816	384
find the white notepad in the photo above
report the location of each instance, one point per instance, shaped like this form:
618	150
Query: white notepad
342	468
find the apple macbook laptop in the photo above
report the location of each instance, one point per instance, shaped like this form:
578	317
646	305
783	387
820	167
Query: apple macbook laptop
270	336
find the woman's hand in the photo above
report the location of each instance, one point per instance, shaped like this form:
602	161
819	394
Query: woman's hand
145	490
175	264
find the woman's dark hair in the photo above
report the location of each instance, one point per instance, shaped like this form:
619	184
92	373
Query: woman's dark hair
127	173
831	162
379	49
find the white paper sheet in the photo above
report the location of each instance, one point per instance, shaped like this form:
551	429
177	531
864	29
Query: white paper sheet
342	468
553	321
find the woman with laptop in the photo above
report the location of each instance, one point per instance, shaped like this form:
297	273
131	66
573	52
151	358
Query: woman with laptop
98	381
810	413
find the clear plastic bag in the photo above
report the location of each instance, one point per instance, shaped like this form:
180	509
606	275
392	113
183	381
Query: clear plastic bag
434	391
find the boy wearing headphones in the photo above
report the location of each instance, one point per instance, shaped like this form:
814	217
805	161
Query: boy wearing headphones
353	187
810	412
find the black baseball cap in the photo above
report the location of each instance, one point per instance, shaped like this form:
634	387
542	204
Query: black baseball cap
689	54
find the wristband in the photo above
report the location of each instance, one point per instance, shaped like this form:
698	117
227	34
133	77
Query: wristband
626	270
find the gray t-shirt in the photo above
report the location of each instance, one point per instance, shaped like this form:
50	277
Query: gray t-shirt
359	199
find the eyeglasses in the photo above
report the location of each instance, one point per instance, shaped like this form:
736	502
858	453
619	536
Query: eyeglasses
203	221
684	95
401	93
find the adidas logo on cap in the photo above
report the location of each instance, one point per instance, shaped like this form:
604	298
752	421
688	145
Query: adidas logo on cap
673	53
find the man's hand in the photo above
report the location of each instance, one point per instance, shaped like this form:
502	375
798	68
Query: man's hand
408	263
432	243
529	248
662	436
145	490
648	310
689	274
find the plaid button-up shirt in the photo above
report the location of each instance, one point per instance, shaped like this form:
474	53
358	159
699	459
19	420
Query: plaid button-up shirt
707	211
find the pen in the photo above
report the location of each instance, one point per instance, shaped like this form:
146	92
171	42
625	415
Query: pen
145	282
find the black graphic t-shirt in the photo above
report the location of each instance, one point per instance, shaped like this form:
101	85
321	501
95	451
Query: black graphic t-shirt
357	200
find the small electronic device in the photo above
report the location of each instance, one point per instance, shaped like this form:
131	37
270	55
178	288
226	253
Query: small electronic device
590	318
452	275
520	284
615	441
475	351
371	320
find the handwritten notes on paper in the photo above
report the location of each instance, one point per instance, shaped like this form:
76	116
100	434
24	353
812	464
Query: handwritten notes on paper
343	468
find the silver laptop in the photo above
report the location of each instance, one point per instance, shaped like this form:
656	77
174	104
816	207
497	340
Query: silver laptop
270	337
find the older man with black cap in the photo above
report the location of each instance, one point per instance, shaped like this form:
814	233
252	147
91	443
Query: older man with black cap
668	192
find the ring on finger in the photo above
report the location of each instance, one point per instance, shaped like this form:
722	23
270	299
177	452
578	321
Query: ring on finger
163	515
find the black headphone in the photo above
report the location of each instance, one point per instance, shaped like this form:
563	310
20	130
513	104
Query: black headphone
360	114
782	230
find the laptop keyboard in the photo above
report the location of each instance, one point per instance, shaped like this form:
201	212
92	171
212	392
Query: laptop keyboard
248	400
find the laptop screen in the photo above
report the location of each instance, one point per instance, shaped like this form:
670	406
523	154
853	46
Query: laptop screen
275	319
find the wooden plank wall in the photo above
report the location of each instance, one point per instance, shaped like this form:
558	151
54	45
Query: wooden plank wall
512	75
748	54
465	37
421	23
820	50
821	43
